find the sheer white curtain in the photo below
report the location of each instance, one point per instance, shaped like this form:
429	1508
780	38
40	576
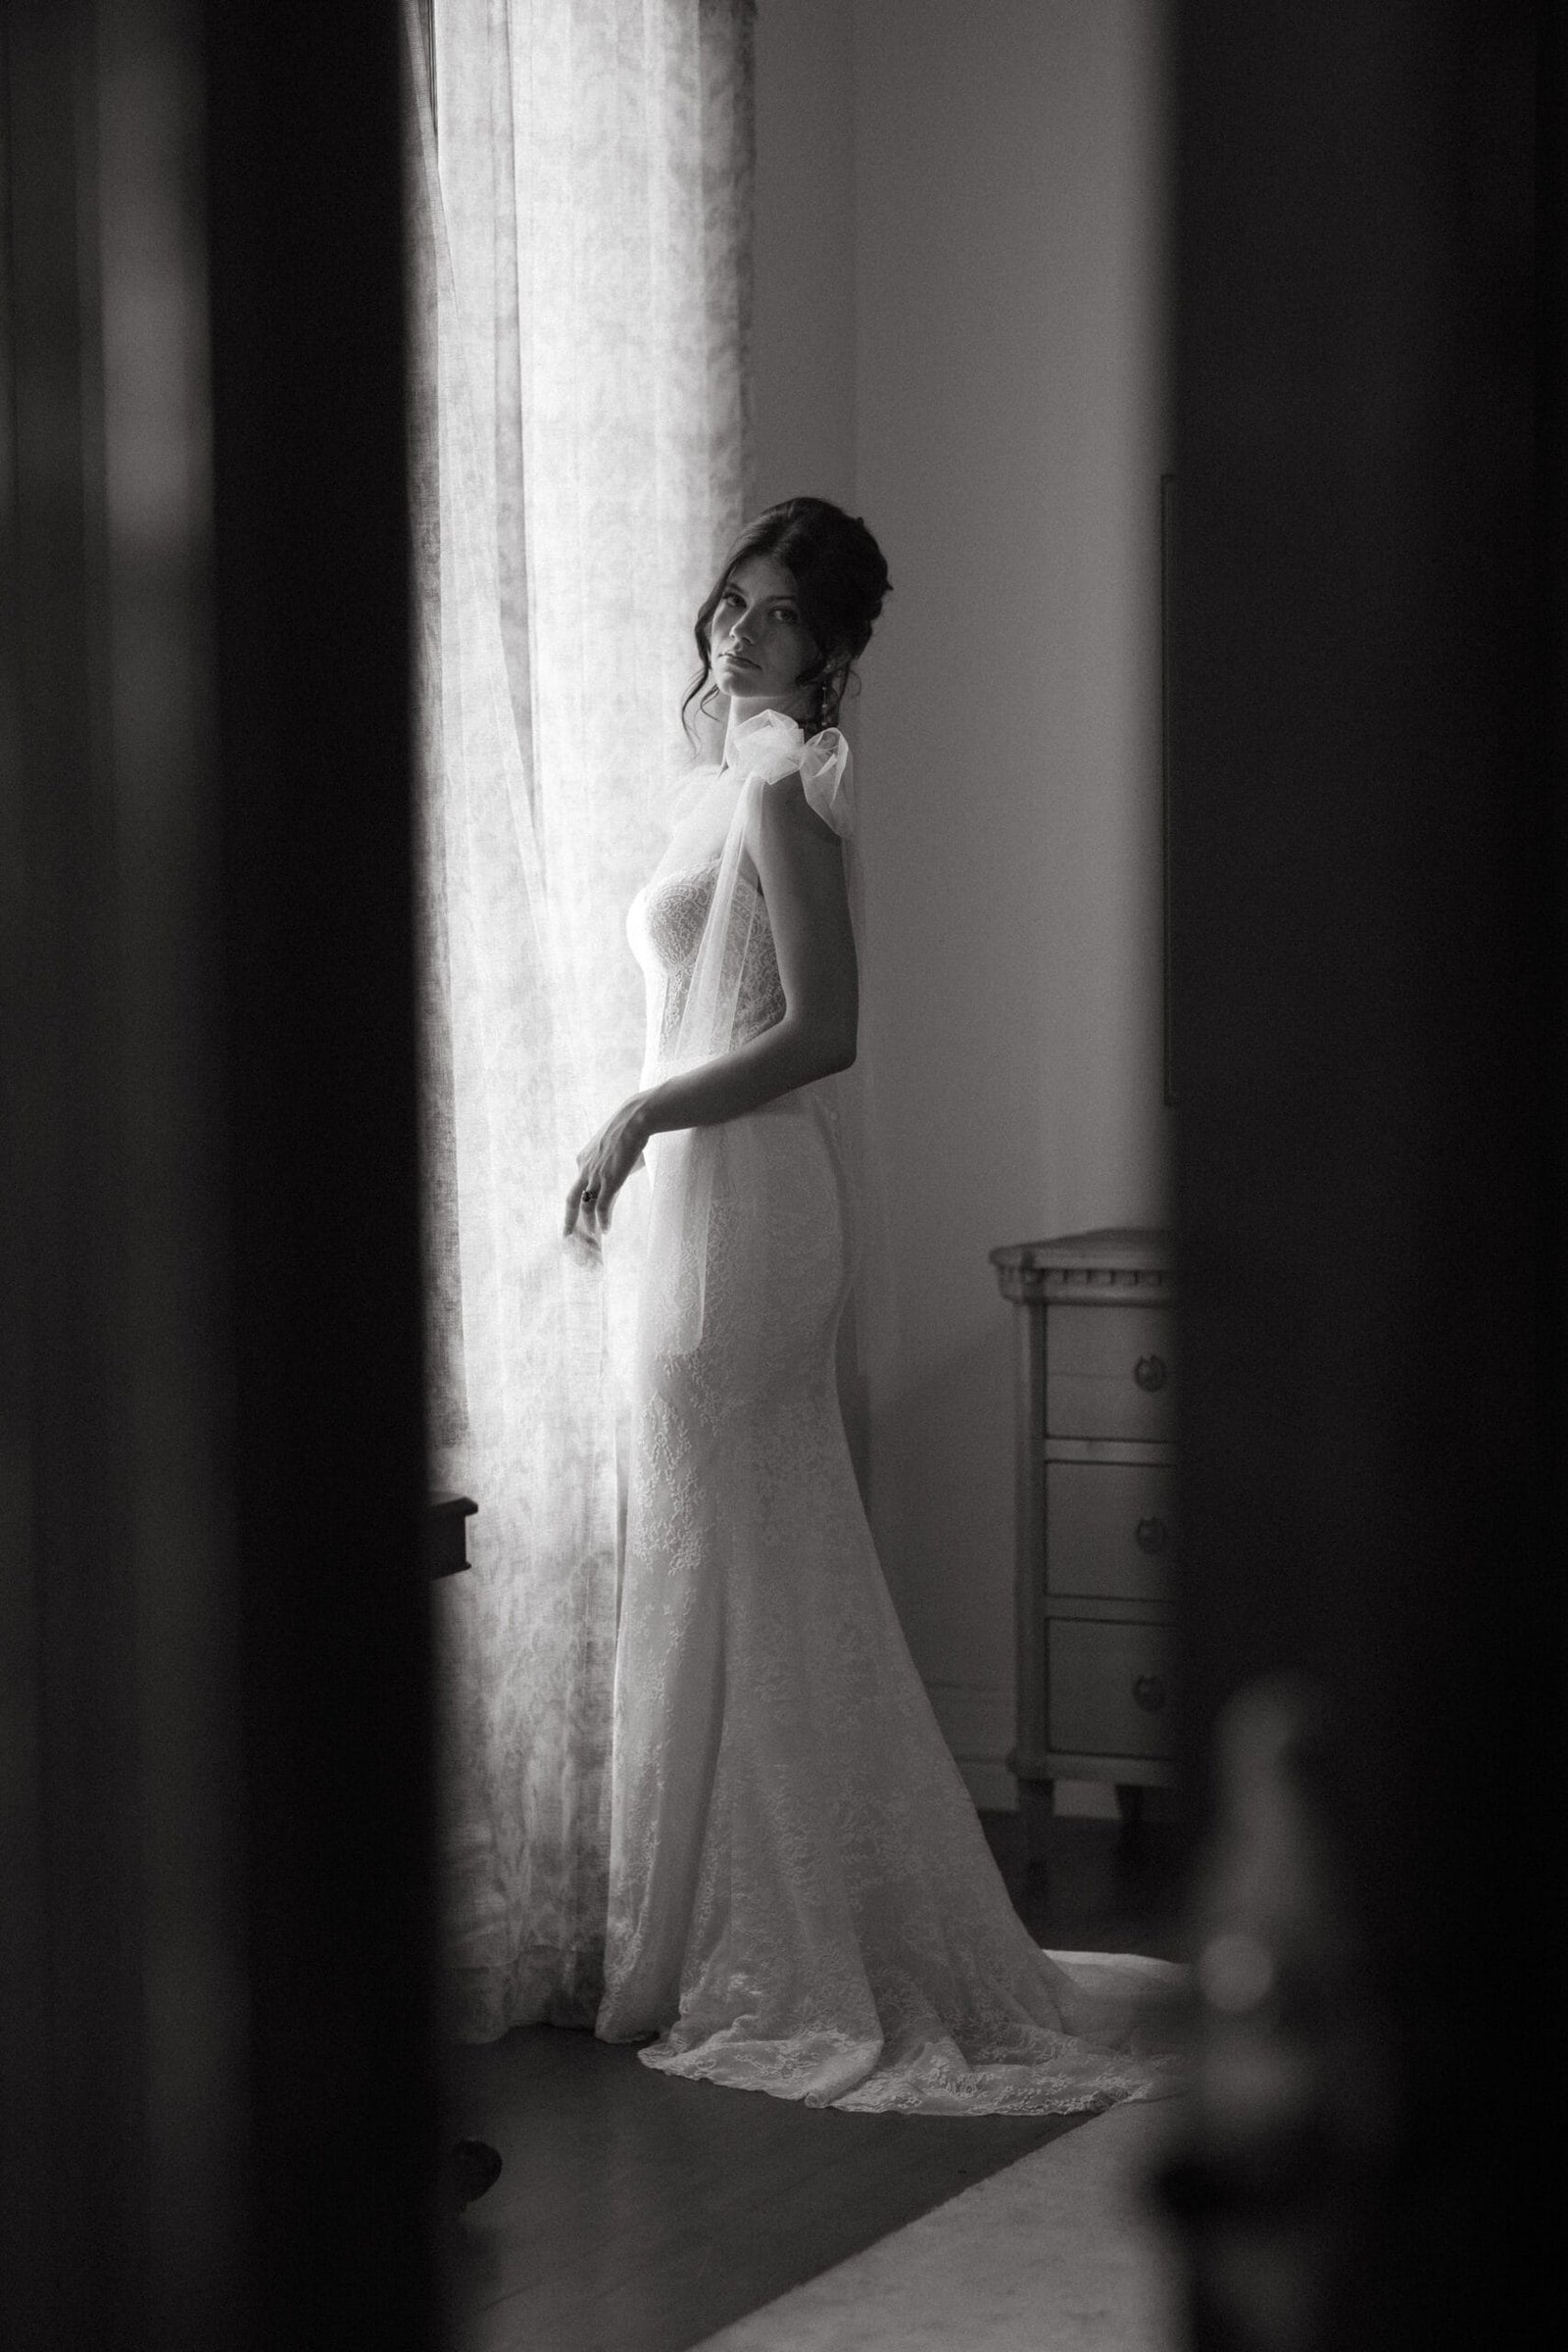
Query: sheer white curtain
579	232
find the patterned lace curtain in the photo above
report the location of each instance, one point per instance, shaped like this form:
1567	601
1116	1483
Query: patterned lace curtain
579	179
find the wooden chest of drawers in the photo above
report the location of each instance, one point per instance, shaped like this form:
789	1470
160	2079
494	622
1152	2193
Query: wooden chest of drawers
1096	1508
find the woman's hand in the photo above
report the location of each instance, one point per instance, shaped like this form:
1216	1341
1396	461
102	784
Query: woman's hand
604	1167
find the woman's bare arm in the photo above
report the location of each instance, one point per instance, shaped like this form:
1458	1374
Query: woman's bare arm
800	863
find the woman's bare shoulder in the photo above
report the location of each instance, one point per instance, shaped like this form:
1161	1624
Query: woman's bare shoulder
786	808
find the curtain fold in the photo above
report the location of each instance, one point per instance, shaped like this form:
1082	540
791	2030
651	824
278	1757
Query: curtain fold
579	230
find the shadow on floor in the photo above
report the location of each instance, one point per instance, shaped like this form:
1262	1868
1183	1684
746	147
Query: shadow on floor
1102	1886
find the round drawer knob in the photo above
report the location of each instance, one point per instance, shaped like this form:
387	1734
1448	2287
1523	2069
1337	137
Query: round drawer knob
1149	1372
1150	1692
1152	1536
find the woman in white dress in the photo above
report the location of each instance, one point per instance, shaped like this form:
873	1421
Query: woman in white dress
801	1899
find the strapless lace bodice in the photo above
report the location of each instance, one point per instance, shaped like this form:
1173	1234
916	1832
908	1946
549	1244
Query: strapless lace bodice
664	925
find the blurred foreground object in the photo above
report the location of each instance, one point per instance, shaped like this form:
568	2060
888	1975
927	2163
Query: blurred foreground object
473	2166
1369	668
1295	2119
219	2122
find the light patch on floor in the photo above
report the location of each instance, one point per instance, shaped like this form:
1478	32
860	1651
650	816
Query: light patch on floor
1059	2251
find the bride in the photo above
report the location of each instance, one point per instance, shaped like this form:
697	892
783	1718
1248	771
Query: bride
801	1899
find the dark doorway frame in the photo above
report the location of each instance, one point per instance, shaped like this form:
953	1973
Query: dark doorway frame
218	2075
1368	982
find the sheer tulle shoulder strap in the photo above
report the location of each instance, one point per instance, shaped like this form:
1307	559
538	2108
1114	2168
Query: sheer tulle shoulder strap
682	1160
763	749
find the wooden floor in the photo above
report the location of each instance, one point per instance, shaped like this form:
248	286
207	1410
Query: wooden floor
638	2213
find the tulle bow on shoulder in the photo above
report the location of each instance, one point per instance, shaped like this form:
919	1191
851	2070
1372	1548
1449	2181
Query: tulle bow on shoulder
773	745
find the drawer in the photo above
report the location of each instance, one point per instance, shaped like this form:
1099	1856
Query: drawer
1109	1690
1110	1372
1110	1529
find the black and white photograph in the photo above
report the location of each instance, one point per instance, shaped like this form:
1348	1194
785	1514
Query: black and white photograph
784	1103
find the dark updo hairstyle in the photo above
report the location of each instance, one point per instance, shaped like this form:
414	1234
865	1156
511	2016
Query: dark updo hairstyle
840	580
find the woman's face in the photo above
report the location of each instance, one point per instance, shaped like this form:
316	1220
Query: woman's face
758	642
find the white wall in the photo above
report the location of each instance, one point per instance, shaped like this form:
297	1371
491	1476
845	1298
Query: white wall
802	319
958	332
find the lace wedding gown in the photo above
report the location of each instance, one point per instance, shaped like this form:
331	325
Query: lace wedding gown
801	1898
